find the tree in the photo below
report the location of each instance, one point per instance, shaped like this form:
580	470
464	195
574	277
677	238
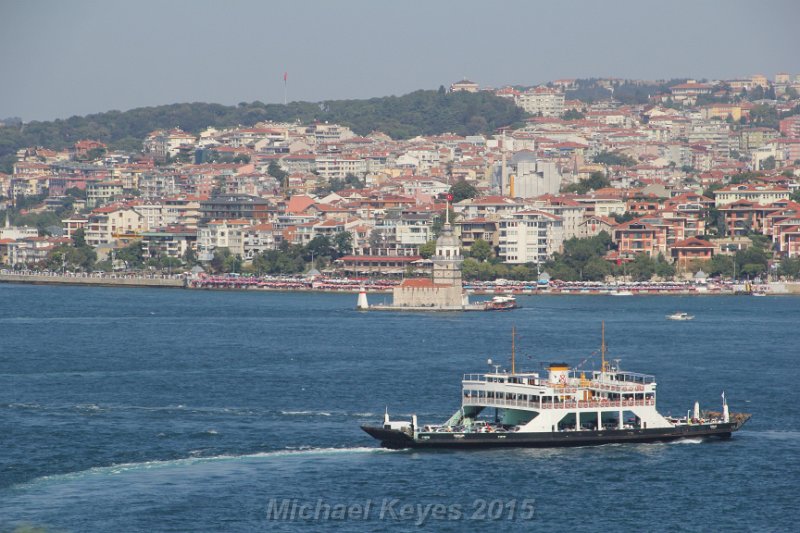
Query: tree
573	114
663	268
377	239
753	261
79	238
190	257
597	180
275	170
343	244
789	267
463	190
480	250
428	249
132	255
224	261
581	259
720	265
642	268
596	269
768	163
318	248
614	158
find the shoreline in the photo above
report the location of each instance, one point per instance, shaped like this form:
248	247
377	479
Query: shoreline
180	282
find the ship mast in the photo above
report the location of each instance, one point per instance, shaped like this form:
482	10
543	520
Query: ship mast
603	349
513	353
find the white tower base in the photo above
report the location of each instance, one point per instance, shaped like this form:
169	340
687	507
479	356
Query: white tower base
362	304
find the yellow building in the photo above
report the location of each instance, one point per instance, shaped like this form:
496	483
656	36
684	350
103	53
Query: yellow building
759	79
722	111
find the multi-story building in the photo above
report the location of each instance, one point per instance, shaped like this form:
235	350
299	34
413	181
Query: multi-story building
530	236
106	224
338	166
412	231
464	85
221	234
260	238
640	237
790	127
163	143
549	102
472	229
760	194
102	192
172	241
158	184
235	207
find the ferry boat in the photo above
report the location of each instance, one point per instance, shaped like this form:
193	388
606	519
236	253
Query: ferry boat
500	303
680	316
566	407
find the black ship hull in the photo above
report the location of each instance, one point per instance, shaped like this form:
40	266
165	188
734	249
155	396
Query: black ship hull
395	439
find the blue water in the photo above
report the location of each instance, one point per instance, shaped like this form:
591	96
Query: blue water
172	410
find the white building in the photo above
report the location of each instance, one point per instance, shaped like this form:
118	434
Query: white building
549	102
530	236
339	166
221	234
534	177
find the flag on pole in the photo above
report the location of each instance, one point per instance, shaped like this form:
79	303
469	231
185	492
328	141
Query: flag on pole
285	75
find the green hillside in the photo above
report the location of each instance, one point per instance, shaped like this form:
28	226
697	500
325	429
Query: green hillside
417	113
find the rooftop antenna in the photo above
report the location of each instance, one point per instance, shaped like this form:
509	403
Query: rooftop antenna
285	77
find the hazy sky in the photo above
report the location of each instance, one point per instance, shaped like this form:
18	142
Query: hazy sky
62	58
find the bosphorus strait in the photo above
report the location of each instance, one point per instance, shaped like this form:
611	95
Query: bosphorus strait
148	410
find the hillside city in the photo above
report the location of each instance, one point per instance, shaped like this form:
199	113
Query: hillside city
694	177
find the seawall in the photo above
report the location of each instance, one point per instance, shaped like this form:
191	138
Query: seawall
96	280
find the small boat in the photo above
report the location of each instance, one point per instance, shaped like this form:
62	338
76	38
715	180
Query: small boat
680	316
500	303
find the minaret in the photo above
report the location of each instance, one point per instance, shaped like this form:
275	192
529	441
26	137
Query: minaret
447	260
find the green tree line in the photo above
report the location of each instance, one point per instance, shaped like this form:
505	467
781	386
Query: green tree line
424	112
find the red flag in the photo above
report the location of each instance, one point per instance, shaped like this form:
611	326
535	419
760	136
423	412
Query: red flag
449	197
285	75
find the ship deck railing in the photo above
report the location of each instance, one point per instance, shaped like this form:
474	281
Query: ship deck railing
576	383
614	388
529	404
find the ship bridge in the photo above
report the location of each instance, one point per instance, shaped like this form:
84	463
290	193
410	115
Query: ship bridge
563	388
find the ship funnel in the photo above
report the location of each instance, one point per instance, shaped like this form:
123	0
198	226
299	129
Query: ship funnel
386	416
559	372
697	410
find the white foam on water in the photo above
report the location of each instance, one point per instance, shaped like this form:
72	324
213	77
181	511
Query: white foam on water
124	468
687	441
305	413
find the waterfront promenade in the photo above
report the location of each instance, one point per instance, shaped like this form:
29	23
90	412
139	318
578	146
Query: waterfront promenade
177	281
301	284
